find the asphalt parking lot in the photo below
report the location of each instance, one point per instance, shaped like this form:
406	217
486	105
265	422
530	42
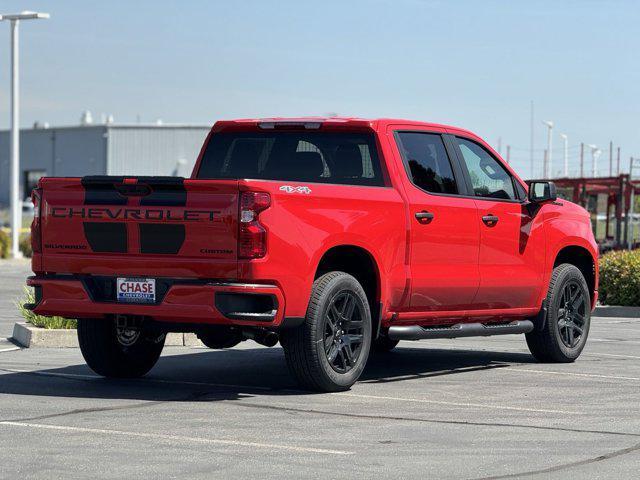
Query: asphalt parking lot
466	408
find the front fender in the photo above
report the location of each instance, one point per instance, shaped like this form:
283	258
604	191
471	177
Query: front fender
570	227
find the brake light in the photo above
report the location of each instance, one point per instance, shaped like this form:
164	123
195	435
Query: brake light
252	236
36	234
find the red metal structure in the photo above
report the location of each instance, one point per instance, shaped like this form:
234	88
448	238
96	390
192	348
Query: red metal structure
585	191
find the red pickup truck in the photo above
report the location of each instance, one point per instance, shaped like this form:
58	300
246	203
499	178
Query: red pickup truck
333	236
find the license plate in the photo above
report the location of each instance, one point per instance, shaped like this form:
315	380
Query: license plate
136	290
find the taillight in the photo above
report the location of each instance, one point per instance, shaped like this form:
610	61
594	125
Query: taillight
252	237
36	234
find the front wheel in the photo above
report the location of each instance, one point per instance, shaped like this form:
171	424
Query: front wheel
112	349
328	352
567	320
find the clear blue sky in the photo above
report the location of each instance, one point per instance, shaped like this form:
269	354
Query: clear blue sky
476	64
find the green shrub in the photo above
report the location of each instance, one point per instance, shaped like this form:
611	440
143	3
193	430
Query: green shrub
620	278
40	320
5	244
25	246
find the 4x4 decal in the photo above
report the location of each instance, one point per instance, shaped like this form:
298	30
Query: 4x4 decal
292	189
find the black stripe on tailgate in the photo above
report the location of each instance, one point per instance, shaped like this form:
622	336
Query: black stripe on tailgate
109	237
161	238
101	190
165	191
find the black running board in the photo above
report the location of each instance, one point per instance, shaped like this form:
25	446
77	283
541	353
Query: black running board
414	332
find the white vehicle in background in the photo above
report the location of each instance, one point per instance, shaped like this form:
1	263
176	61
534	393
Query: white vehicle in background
27	207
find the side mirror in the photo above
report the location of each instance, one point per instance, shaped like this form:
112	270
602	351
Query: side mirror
540	192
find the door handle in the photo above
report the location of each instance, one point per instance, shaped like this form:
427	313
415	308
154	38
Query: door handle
490	220
424	216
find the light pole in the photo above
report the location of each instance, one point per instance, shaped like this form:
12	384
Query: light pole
566	154
595	153
631	204
16	207
547	166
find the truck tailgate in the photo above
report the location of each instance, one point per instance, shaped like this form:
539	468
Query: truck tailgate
160	226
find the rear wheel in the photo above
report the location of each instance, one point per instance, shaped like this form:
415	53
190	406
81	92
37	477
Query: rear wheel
567	320
117	349
328	352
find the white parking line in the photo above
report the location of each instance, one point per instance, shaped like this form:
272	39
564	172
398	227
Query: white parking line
498	349
49	374
458	404
516	369
612	340
12	349
618	329
611	355
632	321
178	438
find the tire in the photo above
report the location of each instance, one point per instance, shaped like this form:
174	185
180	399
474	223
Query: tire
384	344
567	321
328	352
106	354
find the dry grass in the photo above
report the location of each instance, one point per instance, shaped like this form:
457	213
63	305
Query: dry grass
40	320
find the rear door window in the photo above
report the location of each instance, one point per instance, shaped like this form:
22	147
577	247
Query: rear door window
426	158
323	157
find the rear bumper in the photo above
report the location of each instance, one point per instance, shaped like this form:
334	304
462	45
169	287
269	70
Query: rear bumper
182	301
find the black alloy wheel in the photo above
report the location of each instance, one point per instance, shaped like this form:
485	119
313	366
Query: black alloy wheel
343	333
572	314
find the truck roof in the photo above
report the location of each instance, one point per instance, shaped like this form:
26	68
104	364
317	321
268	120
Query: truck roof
355	122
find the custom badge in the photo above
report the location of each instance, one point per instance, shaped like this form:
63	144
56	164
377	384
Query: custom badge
291	189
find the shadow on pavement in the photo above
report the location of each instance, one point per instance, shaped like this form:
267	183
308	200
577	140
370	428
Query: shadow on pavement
404	363
211	375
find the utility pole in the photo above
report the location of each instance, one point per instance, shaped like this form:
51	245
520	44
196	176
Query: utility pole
547	162
595	154
618	163
631	202
531	142
566	154
16	204
581	160
611	159
508	154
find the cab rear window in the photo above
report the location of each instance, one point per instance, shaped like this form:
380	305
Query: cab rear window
323	157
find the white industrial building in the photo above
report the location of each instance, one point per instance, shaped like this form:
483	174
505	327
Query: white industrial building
100	149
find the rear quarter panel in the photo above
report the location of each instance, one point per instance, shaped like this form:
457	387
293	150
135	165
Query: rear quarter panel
302	227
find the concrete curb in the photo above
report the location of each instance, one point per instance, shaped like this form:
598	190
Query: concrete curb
28	336
616	311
